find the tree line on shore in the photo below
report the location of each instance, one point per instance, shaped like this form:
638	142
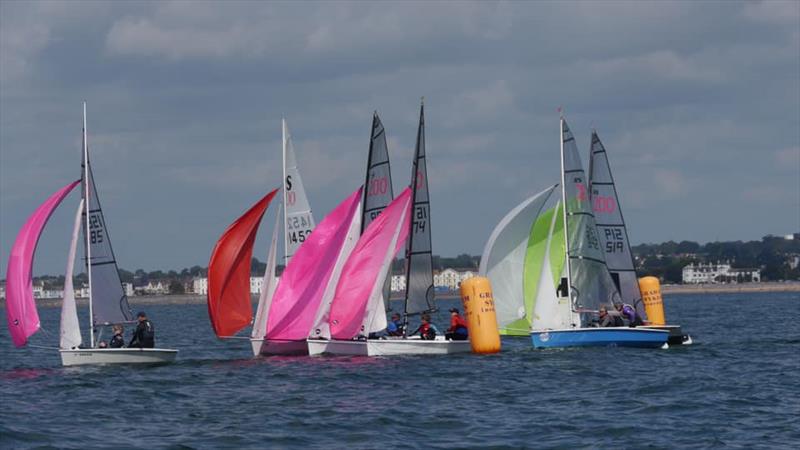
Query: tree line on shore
774	256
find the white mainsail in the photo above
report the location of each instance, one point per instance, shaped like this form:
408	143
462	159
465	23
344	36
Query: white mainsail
503	259
268	284
70	326
299	220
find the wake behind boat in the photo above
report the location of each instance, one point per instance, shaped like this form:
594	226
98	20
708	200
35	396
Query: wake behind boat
108	304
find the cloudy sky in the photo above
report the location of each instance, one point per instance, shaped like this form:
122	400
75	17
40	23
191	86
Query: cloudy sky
698	104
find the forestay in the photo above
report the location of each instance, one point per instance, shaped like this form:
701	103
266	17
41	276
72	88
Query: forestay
299	221
503	260
611	227
21	315
591	284
419	258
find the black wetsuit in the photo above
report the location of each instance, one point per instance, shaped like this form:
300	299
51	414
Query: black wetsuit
117	341
144	336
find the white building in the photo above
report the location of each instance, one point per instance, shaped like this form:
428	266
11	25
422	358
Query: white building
398	283
451	278
3	290
718	273
128	288
200	286
156	288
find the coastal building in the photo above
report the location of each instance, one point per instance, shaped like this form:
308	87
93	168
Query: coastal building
719	273
398	283
200	286
128	288
3	290
451	279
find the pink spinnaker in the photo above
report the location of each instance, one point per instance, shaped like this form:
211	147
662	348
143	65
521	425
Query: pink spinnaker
360	276
303	282
21	314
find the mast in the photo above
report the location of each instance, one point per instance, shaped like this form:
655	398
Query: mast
564	208
285	208
88	231
369	166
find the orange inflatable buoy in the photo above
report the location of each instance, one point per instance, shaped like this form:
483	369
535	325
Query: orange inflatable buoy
653	302
476	295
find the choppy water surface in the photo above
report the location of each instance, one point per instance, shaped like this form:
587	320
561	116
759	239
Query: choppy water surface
738	386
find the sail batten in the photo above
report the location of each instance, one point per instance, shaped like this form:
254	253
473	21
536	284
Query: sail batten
21	315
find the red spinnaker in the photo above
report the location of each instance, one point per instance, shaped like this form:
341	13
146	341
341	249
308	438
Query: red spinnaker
229	306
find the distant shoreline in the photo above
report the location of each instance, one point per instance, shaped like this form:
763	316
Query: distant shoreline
668	289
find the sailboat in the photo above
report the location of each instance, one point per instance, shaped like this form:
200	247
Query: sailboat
548	272
377	194
108	304
613	235
230	309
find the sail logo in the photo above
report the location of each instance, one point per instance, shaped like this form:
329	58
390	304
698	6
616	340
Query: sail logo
603	204
377	186
581	189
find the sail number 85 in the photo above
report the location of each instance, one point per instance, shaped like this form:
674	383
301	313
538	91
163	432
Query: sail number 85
96	231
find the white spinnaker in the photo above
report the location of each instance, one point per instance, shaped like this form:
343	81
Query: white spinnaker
503	259
375	312
70	326
299	221
321	328
268	285
546	313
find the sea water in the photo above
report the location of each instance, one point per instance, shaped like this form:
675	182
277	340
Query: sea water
738	386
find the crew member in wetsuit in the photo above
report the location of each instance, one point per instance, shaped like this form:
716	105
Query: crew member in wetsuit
118	341
607	320
629	312
395	326
426	329
458	327
145	334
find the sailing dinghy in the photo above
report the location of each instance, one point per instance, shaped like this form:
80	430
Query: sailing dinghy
614	237
230	309
531	257
420	294
108	304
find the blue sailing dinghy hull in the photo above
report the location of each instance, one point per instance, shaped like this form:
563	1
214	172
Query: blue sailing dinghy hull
600	337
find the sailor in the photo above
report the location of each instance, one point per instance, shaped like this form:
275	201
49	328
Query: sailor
426	329
608	320
395	326
458	327
629	312
118	341
145	334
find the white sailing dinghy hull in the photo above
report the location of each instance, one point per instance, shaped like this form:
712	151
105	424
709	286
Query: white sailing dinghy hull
388	347
91	356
